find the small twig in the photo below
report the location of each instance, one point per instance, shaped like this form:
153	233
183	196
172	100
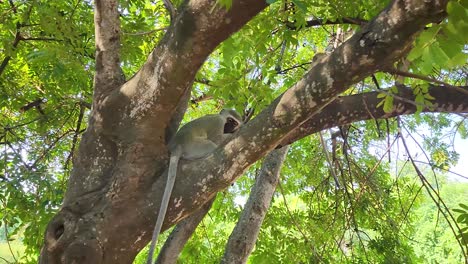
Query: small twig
5	223
442	169
40	39
201	98
8	242
144	33
323	22
18	36
294	67
51	146
283	49
6	261
170	7
327	157
75	136
298	228
29	105
203	81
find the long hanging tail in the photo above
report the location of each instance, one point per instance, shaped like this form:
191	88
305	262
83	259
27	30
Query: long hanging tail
171	175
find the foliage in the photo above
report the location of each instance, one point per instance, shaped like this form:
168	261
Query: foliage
462	220
434	241
366	215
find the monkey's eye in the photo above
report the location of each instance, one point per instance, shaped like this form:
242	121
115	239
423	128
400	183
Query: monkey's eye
232	121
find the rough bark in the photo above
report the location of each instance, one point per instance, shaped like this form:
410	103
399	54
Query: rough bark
118	176
245	233
116	182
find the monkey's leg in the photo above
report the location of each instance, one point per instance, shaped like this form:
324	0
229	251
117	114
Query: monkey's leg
198	149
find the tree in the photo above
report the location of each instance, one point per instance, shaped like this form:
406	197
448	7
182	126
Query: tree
118	174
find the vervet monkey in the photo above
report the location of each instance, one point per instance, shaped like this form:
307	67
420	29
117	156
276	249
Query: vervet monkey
194	140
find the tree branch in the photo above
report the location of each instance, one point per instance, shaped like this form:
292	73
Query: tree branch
425	78
180	235
107	30
166	76
16	41
18	36
170	8
323	22
364	107
381	42
245	233
119	174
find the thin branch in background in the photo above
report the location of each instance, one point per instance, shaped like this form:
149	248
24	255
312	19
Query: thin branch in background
376	166
36	104
39	39
294	67
170	7
427	158
387	125
440	204
424	78
248	114
280	59
5	225
179	236
203	81
10	128
6	261
8	57
207	237
25	164
405	214
296	224
144	33
327	157
323	22
75	136
51	146
352	219
201	98
18	36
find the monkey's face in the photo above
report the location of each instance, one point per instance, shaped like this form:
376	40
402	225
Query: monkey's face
231	125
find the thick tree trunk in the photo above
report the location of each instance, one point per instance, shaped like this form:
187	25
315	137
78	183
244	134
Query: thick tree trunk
118	175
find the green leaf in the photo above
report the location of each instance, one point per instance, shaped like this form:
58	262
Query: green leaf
388	104
458	60
428	36
381	95
426	62
440	58
300	4
429	97
456	11
461	218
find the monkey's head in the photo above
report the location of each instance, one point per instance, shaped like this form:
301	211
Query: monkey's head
233	120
